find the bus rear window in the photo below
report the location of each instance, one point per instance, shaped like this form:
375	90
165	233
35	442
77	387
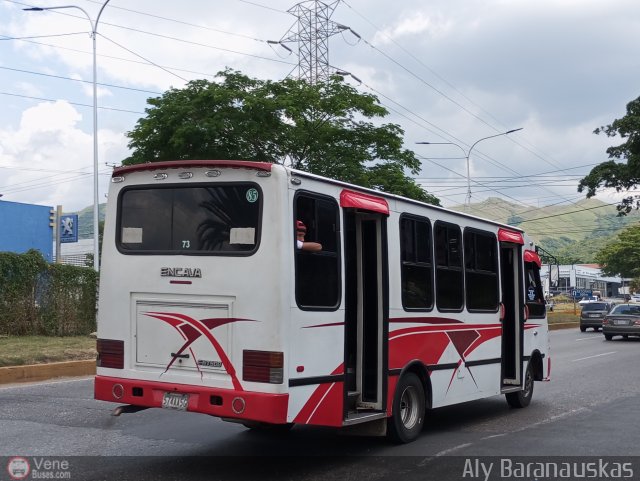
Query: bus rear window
220	219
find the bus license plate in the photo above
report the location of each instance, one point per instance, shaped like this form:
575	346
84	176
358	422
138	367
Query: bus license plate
174	400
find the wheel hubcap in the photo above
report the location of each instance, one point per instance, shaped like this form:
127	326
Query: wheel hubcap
409	407
528	383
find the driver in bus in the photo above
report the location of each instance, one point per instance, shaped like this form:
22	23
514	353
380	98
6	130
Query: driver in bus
301	232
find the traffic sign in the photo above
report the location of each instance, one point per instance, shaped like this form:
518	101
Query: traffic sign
580	293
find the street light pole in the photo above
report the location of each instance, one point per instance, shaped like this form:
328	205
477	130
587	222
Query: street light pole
467	155
96	205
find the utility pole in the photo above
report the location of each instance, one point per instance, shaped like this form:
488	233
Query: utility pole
58	236
311	32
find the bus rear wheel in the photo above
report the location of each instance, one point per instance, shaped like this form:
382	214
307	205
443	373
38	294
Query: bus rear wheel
521	399
407	419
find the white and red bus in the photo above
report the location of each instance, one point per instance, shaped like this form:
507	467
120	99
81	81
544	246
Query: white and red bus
208	304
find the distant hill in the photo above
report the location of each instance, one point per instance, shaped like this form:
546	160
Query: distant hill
574	231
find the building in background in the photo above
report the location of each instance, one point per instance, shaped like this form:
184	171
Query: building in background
26	226
580	280
77	253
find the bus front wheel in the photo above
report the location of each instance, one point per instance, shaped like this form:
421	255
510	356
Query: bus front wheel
521	399
407	419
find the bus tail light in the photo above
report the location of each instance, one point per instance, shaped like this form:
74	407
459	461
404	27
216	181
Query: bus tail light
110	353
263	366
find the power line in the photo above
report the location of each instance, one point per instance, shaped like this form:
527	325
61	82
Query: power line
78	80
572	212
72	103
488	158
5	37
177	69
182	22
145	59
552	163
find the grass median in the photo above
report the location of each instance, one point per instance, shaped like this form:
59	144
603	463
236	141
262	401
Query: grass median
23	350
563	313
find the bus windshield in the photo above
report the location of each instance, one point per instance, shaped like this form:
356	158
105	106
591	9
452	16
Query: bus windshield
194	219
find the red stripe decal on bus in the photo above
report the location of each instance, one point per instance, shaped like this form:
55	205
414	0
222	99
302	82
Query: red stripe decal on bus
406	345
324	406
461	340
202	328
331	324
427	320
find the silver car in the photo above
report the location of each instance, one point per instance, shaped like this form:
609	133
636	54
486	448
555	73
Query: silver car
623	320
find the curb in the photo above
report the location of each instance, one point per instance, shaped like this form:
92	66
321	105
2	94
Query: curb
42	372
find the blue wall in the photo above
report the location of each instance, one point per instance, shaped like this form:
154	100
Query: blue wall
24	227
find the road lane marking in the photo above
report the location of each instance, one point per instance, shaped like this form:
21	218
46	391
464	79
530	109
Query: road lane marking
587	338
453	449
595	355
548	420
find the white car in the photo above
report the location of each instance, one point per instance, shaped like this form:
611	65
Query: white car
587	300
635	298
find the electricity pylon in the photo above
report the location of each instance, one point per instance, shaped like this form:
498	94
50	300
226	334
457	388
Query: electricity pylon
311	32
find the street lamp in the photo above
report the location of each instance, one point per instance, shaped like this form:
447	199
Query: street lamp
96	205
467	154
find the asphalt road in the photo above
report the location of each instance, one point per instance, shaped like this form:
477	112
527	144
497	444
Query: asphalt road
590	408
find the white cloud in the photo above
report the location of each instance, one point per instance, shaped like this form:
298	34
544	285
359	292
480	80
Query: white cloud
414	24
48	160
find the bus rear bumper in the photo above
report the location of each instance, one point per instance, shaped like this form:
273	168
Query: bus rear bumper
224	403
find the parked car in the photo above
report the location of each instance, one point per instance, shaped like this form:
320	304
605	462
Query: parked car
623	320
592	315
635	298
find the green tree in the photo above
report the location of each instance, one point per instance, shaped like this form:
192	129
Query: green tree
324	128
622	256
634	285
615	173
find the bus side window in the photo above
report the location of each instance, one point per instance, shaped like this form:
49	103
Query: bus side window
449	275
533	295
317	282
481	270
416	263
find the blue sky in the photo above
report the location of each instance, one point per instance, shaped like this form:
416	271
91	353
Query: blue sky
448	71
